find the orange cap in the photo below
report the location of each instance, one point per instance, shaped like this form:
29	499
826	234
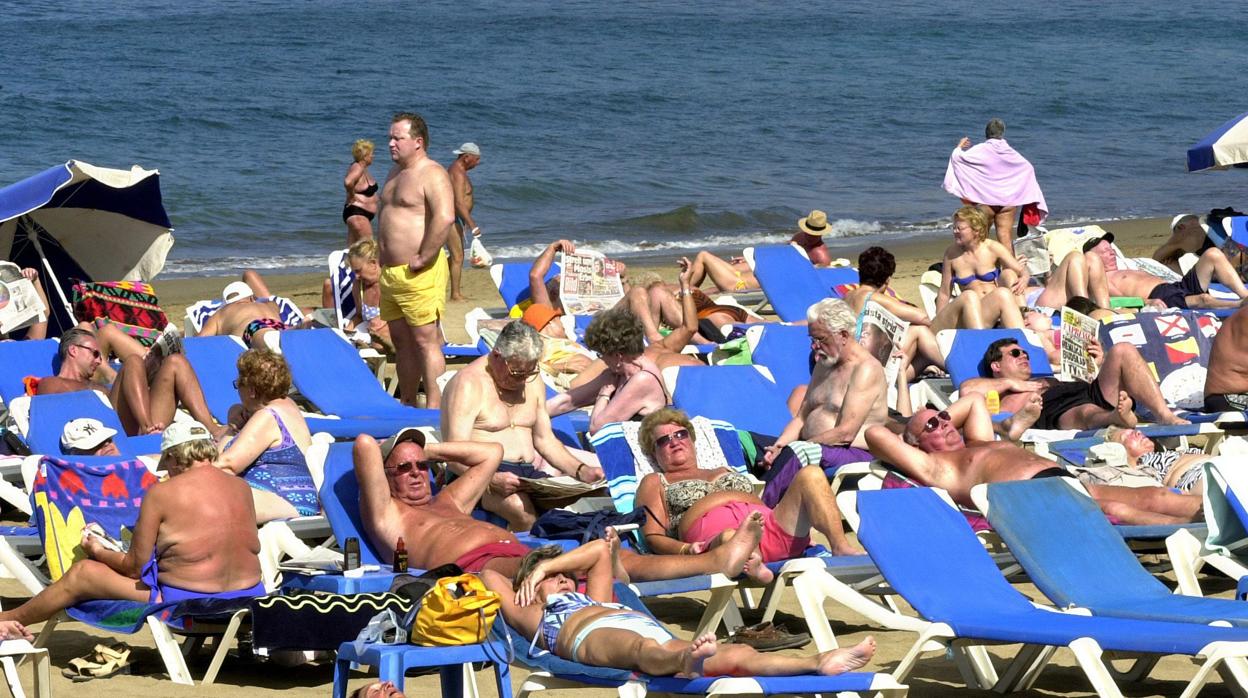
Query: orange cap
538	315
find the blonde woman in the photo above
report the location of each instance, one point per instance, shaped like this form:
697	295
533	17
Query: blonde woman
974	263
362	257
361	188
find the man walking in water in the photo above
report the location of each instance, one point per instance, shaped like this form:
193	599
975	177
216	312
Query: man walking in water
415	216
469	156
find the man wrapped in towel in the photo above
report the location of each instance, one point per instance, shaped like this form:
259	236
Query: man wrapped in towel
995	177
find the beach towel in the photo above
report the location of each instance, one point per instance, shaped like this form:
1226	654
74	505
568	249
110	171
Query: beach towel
131	305
994	174
1175	345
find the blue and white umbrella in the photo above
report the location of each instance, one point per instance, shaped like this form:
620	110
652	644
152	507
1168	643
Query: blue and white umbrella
1226	147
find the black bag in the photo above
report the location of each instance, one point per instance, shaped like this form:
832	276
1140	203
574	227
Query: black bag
414	587
561	524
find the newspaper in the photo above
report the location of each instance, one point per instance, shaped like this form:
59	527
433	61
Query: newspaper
589	283
560	487
1077	330
19	303
882	335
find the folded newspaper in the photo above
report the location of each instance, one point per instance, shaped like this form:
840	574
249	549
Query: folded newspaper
882	335
558	487
589	283
20	305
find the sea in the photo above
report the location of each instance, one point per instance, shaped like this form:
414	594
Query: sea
642	129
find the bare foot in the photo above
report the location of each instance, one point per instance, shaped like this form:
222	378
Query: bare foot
844	547
734	553
847	658
1171	418
617	567
1025	417
1124	416
757	570
701	649
458	297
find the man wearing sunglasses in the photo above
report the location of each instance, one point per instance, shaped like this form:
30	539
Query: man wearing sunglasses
1123	380
146	391
397	499
500	399
935	453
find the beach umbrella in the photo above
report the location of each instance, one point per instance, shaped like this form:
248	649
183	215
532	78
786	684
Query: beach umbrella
81	222
1226	147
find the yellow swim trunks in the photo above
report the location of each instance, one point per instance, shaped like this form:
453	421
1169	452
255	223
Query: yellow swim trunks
418	298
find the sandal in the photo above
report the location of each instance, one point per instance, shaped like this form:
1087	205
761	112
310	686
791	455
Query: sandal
766	637
104	662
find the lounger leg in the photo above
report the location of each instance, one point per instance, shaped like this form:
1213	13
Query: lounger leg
975	665
175	663
716	608
937	634
342	670
11	677
1024	668
223	647
1184	551
1234	672
502	679
1088	655
43	682
771	597
21	568
813	587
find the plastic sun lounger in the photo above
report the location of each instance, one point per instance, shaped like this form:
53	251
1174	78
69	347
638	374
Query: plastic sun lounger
198	313
550	671
789	280
50	413
932	558
784	350
1223	547
1083	562
215	361
745	396
964	352
512	281
28	357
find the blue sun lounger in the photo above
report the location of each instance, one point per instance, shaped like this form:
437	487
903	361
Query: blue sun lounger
27	357
215	361
789	280
50	413
932	558
1082	561
784	350
512	281
964	353
743	396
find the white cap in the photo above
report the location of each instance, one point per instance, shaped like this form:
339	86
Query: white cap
1174	222
182	432
404	434
468	149
85	434
236	291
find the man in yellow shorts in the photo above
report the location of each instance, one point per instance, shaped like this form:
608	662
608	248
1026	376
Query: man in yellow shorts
416	212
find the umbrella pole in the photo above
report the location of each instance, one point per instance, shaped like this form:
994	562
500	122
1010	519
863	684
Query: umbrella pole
48	273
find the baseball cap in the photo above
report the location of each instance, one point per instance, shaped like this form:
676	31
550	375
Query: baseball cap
181	432
468	149
1092	242
405	434
538	315
1174	222
84	434
236	291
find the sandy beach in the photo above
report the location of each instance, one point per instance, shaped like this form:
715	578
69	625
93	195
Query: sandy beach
934	676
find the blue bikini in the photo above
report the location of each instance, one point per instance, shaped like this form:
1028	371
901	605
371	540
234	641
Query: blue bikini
987	277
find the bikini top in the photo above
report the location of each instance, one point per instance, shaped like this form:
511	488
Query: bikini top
987	277
683	494
369	190
558	608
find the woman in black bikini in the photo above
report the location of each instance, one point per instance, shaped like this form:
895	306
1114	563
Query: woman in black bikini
361	188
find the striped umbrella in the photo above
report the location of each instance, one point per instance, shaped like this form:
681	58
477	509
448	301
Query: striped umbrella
1226	147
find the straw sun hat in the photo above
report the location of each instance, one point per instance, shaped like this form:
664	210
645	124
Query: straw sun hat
815	224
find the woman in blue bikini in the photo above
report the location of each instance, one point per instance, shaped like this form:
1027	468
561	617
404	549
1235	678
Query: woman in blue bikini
974	262
544	605
272	440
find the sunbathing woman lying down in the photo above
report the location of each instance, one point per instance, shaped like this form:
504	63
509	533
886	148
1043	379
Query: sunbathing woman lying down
544	605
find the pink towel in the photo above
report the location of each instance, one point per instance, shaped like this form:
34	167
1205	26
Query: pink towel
994	174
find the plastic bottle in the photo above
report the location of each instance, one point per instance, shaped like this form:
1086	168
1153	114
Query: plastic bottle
351	554
400	556
994	402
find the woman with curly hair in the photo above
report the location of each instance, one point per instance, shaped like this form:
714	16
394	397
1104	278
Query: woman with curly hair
269	450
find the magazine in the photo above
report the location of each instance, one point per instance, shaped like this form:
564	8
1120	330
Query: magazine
1077	330
589	283
20	305
882	335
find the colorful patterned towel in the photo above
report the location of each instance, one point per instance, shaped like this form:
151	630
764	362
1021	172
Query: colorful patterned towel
1175	344
131	305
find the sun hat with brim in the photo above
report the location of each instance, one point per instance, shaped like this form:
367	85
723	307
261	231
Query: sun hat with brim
1174	222
85	434
179	433
405	434
538	315
1093	242
814	224
236	291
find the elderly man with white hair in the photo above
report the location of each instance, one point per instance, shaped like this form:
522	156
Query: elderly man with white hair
499	398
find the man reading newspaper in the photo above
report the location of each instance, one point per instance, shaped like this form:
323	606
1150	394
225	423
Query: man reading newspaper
22	303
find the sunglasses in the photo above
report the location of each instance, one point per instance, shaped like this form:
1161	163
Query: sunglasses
94	352
678	435
407	465
1015	352
933	422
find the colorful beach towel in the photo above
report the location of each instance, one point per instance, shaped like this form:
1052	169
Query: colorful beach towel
1175	344
994	174
131	305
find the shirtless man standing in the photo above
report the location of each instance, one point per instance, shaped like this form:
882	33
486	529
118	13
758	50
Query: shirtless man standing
469	156
498	399
1226	383
1192	291
1123	378
244	315
846	393
415	217
936	454
146	391
396	499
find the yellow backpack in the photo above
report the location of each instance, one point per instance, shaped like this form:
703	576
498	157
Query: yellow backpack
455	611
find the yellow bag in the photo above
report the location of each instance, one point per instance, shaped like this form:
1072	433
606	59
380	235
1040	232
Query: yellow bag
455	611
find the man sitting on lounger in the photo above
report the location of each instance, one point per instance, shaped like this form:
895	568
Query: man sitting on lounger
933	452
1192	291
397	501
1123	380
195	538
1226	383
145	393
244	315
499	399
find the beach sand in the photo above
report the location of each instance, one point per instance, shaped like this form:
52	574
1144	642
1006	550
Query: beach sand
935	676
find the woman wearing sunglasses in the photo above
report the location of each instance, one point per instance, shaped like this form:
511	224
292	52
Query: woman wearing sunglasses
694	509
